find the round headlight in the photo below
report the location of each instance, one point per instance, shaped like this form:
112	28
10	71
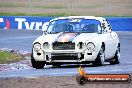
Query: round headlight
90	46
37	46
46	45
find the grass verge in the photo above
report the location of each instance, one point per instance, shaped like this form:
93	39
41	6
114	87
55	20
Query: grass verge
55	15
8	57
24	14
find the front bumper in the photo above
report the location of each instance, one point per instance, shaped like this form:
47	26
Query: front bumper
64	56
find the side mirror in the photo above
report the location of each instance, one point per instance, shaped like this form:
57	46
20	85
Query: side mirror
45	26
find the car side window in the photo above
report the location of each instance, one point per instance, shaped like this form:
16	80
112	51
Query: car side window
106	28
90	28
109	27
99	29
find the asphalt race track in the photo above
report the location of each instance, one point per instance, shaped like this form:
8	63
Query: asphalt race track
22	40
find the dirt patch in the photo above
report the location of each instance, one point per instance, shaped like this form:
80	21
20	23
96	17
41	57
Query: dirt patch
53	82
14	59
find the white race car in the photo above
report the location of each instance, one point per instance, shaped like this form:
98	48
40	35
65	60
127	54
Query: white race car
76	39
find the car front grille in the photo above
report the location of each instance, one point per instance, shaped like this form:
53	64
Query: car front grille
64	56
63	46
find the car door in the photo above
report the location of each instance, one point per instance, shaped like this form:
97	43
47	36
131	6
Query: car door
108	45
109	40
114	43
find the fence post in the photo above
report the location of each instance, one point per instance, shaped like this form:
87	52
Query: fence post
110	7
30	7
69	7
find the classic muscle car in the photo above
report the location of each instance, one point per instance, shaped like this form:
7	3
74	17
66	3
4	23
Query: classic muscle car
76	39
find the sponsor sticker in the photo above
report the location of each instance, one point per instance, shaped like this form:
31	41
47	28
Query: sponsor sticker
66	37
83	78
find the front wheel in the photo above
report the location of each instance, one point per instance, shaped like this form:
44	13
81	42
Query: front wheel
100	58
37	64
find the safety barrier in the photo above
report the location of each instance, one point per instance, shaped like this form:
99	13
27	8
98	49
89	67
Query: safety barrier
36	22
23	22
121	23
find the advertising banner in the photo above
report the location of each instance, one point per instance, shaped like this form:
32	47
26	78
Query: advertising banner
23	22
37	22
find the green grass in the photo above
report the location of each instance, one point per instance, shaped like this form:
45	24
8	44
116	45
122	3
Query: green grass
12	14
55	14
51	7
120	8
12	5
22	14
8	57
89	6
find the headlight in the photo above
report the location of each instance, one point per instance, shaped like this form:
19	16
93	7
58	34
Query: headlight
37	46
46	45
80	45
90	46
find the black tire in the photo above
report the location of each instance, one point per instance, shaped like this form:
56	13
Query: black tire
115	59
37	64
100	58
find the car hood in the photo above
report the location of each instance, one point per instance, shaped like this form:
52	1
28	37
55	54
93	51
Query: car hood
67	37
85	37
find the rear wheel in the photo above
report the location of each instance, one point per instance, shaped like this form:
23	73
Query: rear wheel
37	64
100	58
115	59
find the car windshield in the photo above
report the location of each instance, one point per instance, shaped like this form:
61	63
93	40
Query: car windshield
74	25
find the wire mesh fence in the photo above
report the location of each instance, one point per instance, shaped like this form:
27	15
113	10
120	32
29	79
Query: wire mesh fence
67	7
